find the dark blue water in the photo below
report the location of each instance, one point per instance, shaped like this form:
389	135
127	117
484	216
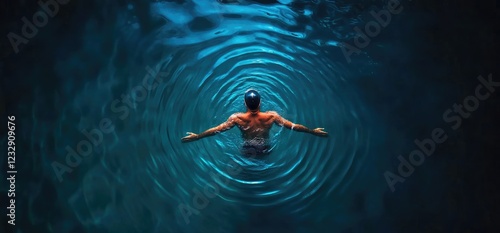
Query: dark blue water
133	77
208	55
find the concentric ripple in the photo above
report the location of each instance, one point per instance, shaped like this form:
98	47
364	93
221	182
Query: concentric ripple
211	69
209	54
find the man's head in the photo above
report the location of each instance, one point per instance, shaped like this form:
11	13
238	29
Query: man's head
252	100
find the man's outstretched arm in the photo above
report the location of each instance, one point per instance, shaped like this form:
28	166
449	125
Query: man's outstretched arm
231	121
297	127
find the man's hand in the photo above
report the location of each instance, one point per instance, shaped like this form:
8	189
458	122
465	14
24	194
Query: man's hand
320	132
191	137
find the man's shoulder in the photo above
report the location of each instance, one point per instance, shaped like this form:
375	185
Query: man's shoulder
236	115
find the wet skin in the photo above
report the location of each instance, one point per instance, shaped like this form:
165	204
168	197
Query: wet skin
254	125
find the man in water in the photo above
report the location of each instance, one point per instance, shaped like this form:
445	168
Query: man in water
254	125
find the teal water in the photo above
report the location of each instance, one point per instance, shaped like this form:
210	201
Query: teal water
135	77
208	55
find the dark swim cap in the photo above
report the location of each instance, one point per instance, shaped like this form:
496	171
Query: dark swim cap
252	99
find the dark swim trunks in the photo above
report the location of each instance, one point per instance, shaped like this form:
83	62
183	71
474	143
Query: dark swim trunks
256	147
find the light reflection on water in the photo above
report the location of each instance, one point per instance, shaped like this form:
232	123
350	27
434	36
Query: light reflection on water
211	54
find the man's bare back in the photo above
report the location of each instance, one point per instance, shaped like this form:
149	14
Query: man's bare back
254	124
